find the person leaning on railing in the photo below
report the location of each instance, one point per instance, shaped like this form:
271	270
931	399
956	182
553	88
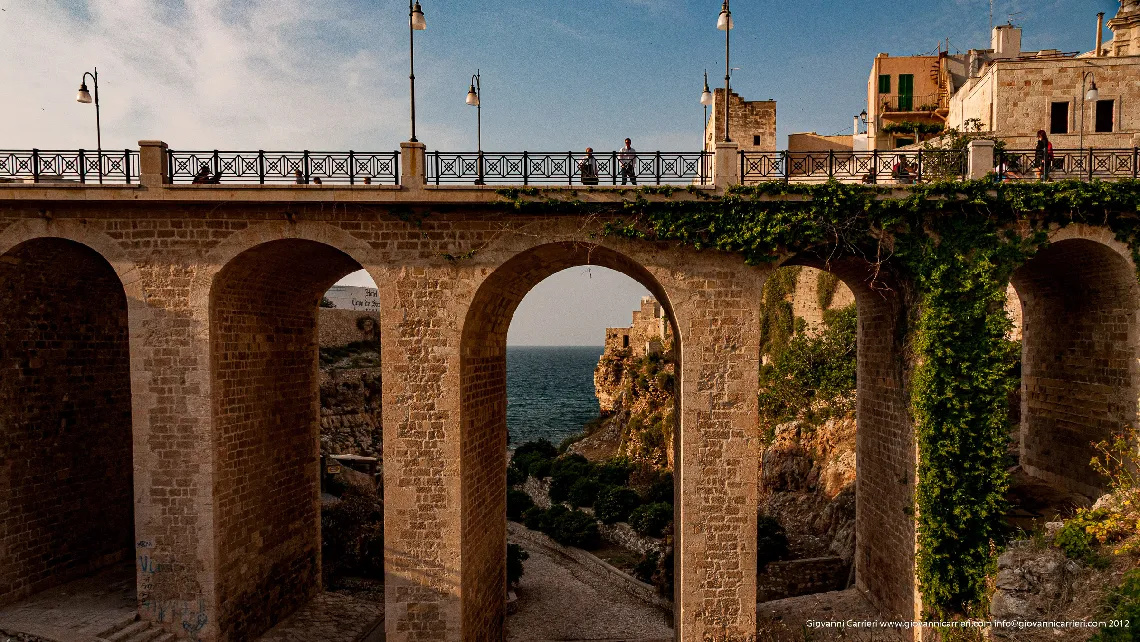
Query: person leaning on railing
588	168
627	156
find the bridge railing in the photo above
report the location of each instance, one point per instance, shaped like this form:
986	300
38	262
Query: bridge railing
570	168
304	167
872	167
1079	164
69	166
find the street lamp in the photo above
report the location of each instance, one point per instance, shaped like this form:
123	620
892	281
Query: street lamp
473	95
724	23
416	23
84	97
706	100
1092	95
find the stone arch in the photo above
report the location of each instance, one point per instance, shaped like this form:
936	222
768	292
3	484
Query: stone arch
884	437
483	401
68	487
262	309
1080	382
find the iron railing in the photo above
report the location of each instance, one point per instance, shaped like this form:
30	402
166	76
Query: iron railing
874	167
567	168
69	166
909	103
304	167
1077	164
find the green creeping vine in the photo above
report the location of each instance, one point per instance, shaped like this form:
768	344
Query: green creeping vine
951	248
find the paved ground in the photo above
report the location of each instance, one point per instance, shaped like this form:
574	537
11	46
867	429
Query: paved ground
77	611
560	599
785	620
332	617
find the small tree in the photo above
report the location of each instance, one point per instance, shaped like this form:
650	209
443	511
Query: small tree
327	302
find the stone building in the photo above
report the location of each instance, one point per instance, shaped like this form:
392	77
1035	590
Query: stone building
647	334
905	90
1015	93
751	125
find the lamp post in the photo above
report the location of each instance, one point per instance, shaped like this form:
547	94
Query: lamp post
416	23
84	96
1092	96
724	23
474	98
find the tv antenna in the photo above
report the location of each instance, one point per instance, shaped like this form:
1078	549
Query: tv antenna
991	16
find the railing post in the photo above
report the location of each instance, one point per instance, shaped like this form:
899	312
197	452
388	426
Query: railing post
83	168
726	171
570	168
875	166
1090	164
261	166
743	166
526	168
614	167
436	165
830	163
787	166
1135	154
980	158
217	161
35	165
170	164
658	168
412	165
351	170
127	165
305	164
918	170
154	159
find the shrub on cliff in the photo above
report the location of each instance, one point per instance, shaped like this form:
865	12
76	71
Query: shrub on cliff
574	528
616	504
532	517
564	472
516	555
352	533
531	459
518	503
584	492
771	542
651	519
1123	607
614	472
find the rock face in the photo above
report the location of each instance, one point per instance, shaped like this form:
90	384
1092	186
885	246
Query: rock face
350	383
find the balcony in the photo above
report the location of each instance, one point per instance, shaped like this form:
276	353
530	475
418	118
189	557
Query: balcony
910	104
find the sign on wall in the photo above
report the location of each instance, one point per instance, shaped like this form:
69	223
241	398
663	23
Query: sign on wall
348	297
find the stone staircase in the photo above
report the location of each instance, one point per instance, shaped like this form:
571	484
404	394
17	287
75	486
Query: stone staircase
133	629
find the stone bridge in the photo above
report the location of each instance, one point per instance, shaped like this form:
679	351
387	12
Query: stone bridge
159	395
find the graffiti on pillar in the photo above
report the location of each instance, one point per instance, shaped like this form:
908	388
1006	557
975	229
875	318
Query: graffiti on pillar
191	615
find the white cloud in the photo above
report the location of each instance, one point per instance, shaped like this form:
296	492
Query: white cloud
267	74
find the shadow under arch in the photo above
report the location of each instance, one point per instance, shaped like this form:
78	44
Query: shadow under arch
1080	379
263	309
884	436
67	485
483	410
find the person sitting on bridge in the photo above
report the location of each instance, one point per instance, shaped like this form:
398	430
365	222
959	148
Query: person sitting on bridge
588	168
203	175
901	171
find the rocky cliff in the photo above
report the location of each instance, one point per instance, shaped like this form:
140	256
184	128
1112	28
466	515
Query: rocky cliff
350	383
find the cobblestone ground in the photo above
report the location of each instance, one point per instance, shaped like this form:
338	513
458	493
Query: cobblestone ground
560	599
785	620
332	617
76	611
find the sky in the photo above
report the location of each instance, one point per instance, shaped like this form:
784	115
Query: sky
555	76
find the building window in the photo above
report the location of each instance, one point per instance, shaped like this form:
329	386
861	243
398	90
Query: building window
1104	115
625	341
903	142
884	83
756	140
1059	118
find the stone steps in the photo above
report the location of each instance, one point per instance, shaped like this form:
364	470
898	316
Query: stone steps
134	629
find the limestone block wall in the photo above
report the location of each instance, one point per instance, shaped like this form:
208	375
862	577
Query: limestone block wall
802	577
66	480
1079	370
342	327
752	123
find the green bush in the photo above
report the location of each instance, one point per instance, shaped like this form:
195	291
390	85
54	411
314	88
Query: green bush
614	472
564	473
660	489
352	533
518	503
651	519
528	457
645	569
616	504
550	517
1076	543
532	518
584	492
574	528
771	542
515	476
540	468
516	555
1123	606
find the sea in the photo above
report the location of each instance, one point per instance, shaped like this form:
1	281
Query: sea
550	391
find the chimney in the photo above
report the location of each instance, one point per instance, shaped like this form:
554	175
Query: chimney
1006	41
1099	34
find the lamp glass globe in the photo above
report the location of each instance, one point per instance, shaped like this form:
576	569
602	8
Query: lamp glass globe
706	97
83	96
418	22
472	97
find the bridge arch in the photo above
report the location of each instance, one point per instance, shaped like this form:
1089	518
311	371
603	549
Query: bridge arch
264	288
68	297
884	436
1080	304
483	403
